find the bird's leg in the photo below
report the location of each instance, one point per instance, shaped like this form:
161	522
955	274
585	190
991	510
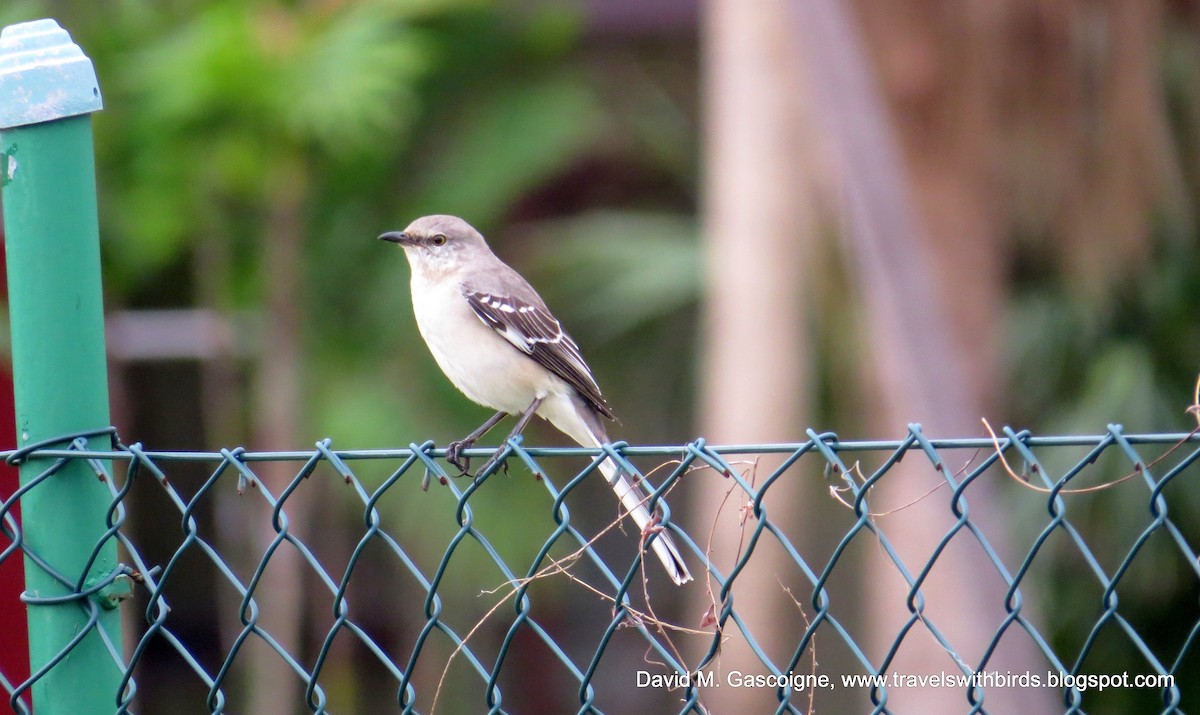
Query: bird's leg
455	449
520	427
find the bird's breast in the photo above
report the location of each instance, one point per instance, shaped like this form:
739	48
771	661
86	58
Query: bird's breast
484	366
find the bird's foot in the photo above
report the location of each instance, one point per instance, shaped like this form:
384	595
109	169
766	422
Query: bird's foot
487	466
454	455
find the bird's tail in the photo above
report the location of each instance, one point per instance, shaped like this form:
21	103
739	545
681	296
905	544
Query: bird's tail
582	423
634	502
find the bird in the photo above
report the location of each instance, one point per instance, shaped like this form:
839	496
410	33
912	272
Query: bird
497	342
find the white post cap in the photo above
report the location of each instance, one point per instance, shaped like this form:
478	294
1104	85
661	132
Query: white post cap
43	75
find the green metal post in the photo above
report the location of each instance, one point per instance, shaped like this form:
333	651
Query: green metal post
47	92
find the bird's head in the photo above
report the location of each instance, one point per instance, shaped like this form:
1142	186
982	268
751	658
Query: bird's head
438	244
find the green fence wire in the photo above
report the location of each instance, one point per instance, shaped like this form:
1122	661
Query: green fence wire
1146	467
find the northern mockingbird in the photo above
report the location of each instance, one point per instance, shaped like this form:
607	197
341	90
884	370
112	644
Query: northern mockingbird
493	336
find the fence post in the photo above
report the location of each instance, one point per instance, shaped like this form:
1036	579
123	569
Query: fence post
48	90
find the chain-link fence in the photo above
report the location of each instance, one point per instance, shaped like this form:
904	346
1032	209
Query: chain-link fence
518	593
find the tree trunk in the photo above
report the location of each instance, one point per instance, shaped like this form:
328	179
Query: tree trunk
930	287
759	220
276	690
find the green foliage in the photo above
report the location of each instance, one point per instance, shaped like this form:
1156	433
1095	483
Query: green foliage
615	271
20	11
497	145
388	109
209	104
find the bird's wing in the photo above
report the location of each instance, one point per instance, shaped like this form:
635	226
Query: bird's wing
534	331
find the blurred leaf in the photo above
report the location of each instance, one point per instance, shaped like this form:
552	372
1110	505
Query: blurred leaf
552	29
15	11
615	271
495	148
215	100
209	72
368	409
1120	386
351	81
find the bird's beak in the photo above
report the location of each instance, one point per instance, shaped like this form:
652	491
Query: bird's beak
397	237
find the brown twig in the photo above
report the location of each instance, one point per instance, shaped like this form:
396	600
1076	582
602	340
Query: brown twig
1081	490
562	566
812	691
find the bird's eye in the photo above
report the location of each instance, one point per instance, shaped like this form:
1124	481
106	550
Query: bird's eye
438	240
